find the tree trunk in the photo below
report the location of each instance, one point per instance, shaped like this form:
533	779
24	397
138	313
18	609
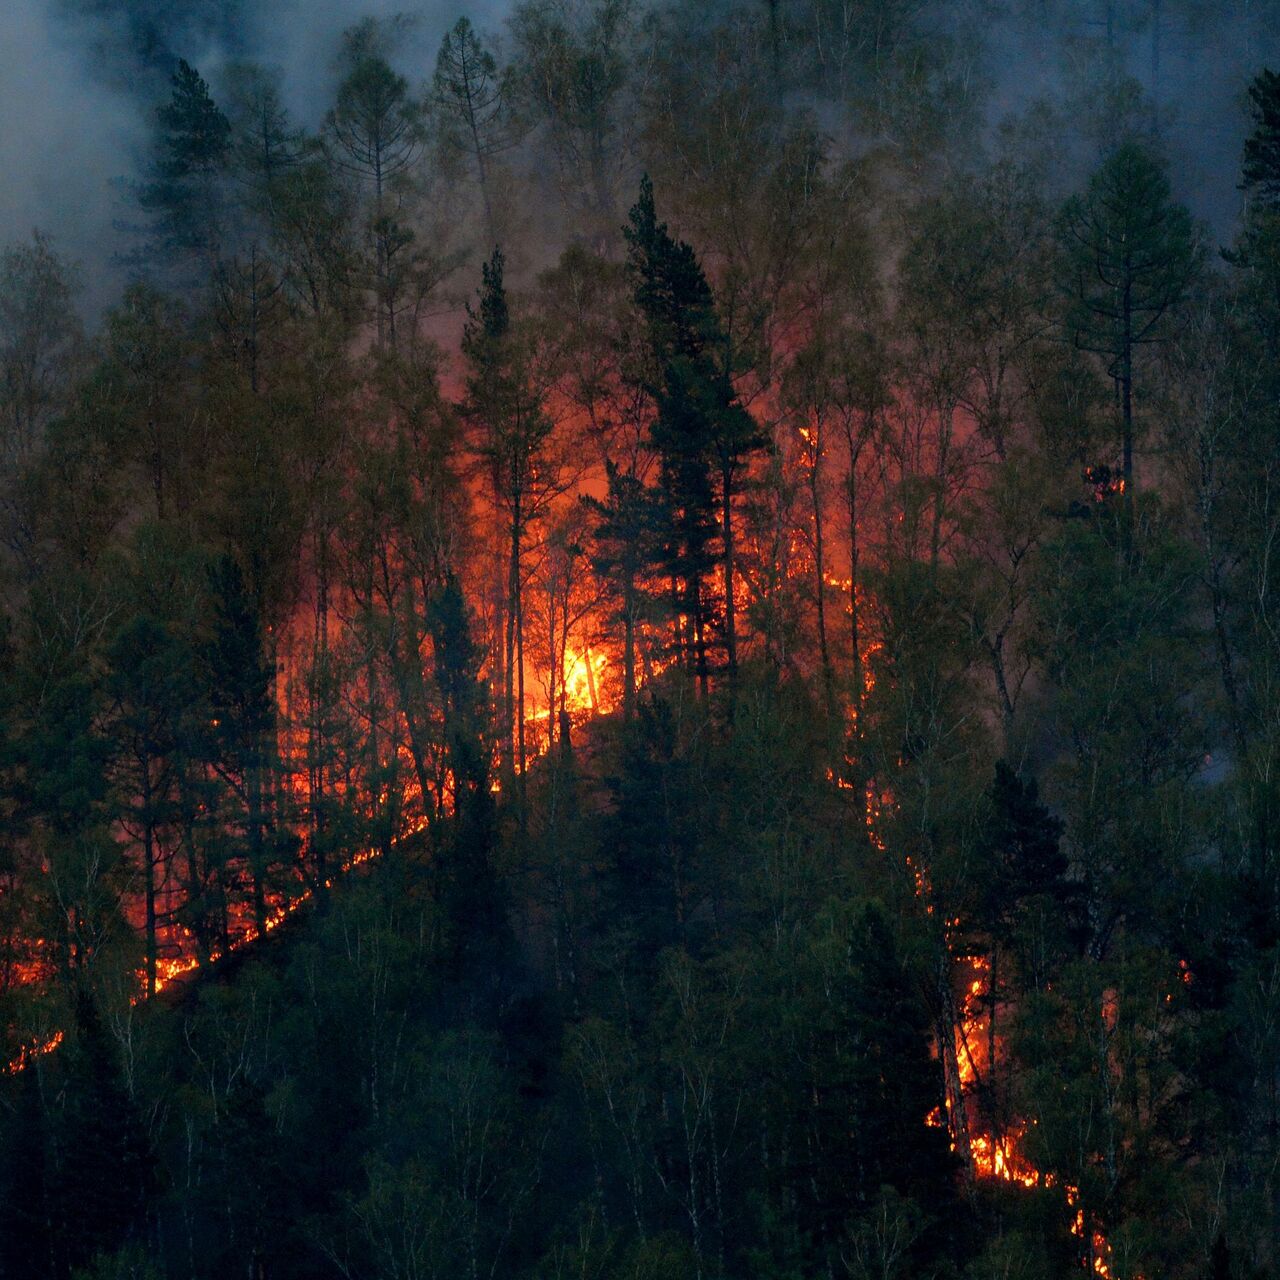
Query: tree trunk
628	651
520	729
945	1030
1126	411
820	569
855	638
730	605
149	872
509	651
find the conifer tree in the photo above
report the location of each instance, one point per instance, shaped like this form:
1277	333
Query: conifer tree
471	894
624	535
376	131
104	1170
150	686
193	150
698	429
1130	253
240	690
471	97
27	1239
1260	177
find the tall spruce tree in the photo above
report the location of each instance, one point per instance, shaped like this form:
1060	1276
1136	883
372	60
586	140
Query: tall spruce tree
1260	177
699	429
1130	253
193	148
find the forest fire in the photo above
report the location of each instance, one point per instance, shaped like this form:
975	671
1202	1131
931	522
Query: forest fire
638	640
27	1053
994	1153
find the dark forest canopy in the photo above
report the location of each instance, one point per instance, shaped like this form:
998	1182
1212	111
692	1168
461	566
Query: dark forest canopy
643	647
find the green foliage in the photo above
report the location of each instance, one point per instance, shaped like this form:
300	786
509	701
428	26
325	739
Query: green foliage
944	849
1260	175
193	146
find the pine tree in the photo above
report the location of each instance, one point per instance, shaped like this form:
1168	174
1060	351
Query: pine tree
472	896
623	537
1260	177
869	1081
699	429
376	129
240	690
1023	838
472	99
150	685
1130	253
104	1168
193	149
27	1241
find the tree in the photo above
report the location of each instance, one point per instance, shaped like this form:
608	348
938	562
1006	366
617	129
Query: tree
62	787
571	73
374	120
624	535
473	898
150	683
863	1080
266	144
140	388
1260	177
192	152
240	686
511	433
1119	658
27	1245
1129	255
376	129
104	1169
698	425
39	334
472	99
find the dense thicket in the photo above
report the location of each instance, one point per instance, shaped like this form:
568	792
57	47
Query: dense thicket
650	654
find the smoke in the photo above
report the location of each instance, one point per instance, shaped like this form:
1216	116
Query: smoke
301	37
1190	63
80	79
65	138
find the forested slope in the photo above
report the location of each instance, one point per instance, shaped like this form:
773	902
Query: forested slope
649	650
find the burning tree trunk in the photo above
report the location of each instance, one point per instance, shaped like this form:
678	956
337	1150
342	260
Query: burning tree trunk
512	431
946	1022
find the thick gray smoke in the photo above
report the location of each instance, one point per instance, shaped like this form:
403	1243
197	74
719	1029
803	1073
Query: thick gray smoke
64	137
80	79
1191	62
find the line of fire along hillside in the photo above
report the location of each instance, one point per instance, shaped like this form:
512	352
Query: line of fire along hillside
175	970
992	1155
995	1156
582	695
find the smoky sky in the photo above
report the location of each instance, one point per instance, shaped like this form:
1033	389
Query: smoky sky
80	80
